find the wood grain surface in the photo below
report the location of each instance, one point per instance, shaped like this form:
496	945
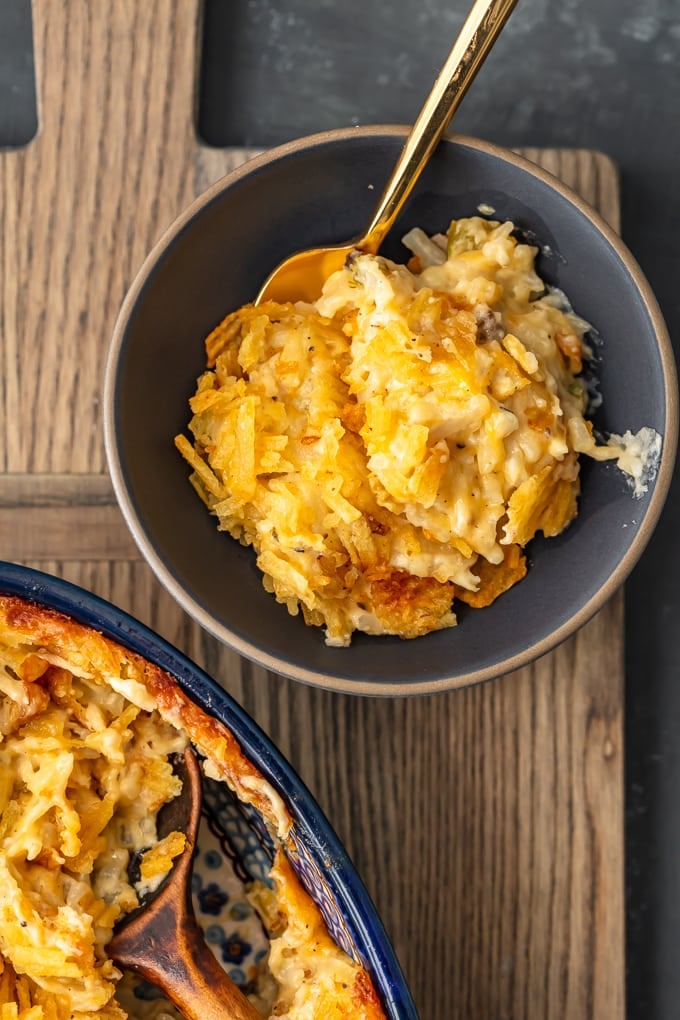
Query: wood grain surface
487	823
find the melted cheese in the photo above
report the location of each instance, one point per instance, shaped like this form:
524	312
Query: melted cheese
316	980
84	771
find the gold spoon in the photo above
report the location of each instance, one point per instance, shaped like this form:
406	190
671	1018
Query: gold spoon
162	940
301	276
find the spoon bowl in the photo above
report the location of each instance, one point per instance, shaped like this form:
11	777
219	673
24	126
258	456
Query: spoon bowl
301	276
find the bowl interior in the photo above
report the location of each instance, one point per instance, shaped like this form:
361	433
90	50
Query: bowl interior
214	259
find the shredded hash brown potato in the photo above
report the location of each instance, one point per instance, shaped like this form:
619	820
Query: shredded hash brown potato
86	731
396	445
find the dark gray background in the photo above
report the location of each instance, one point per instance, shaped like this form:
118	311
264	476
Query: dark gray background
587	73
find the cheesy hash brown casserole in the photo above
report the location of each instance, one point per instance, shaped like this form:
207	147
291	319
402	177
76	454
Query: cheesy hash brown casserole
86	731
395	446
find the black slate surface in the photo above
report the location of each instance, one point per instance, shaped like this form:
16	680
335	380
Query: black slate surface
601	74
18	113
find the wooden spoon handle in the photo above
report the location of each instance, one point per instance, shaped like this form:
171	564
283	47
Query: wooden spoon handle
173	954
165	944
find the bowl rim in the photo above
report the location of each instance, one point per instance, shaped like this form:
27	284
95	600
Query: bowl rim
80	604
340	683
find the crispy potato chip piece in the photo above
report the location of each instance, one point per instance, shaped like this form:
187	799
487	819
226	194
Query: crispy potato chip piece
206	475
220	338
495	578
157	861
545	502
230	330
561	509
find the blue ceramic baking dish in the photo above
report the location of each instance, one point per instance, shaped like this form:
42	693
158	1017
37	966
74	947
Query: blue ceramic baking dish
318	856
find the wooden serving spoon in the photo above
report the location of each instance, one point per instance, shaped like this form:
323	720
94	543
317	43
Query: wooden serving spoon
301	276
162	940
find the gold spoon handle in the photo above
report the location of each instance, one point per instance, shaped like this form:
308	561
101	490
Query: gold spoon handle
477	36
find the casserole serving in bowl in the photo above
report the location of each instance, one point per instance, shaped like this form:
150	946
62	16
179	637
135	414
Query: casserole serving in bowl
213	260
93	704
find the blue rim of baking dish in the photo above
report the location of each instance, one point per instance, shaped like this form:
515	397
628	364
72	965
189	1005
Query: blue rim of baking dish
86	608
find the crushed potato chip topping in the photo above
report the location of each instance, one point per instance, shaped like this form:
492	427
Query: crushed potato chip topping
84	774
396	445
86	731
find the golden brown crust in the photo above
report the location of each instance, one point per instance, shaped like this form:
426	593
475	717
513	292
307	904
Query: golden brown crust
46	628
408	605
218	744
495	578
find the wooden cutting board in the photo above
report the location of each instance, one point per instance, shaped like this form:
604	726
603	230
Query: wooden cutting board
486	823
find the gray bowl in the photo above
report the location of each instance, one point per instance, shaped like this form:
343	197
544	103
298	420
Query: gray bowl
215	256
